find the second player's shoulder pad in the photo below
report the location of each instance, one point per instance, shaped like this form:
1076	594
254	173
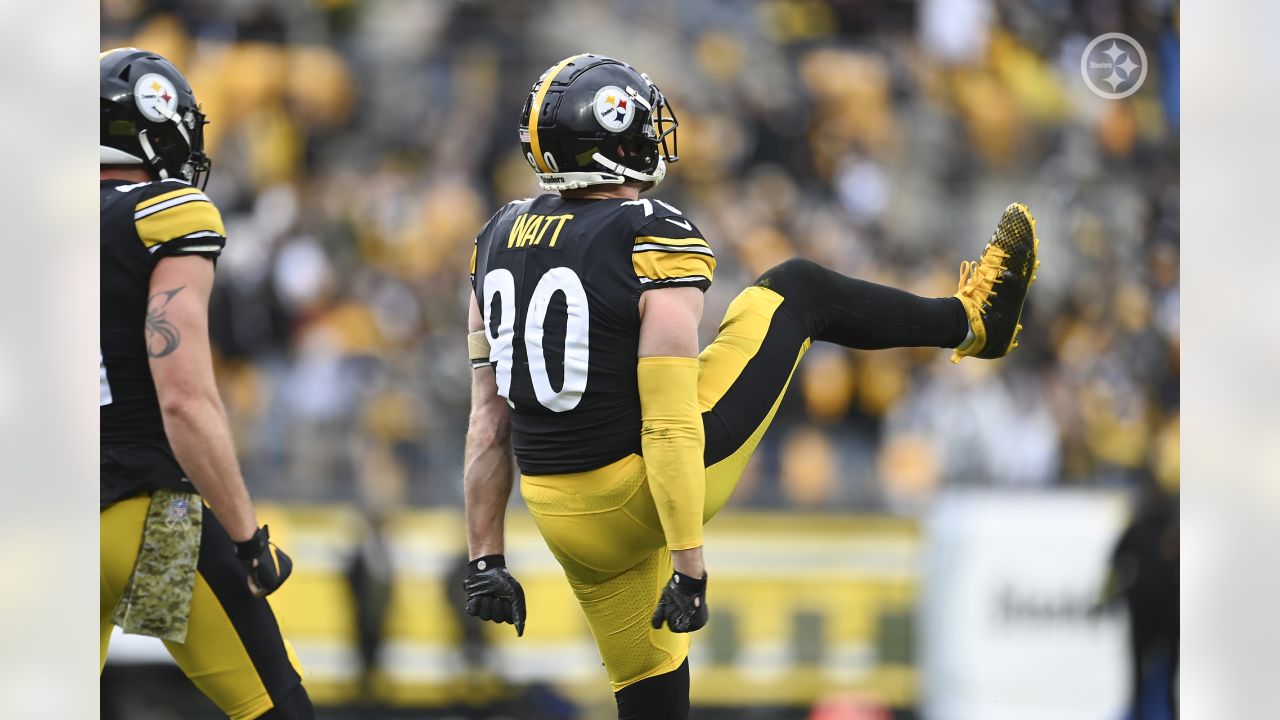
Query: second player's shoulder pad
174	218
669	250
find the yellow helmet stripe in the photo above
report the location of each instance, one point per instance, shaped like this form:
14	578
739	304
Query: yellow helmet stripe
536	110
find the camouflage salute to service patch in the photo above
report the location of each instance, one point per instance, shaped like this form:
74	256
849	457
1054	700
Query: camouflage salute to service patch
157	598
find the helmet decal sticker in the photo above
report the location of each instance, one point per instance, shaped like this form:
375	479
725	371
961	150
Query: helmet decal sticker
614	109
156	97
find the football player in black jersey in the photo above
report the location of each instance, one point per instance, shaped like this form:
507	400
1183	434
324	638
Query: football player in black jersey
182	556
584	341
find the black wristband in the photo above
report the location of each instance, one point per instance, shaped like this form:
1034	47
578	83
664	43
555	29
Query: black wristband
251	548
690	584
481	564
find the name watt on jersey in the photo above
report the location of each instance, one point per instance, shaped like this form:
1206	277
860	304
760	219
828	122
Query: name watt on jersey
530	229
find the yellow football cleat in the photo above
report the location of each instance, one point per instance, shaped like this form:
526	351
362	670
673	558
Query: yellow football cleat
1009	262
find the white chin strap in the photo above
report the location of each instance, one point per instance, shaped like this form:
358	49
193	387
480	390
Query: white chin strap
575	180
151	155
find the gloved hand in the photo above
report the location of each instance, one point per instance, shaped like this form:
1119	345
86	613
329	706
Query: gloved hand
267	565
683	606
493	594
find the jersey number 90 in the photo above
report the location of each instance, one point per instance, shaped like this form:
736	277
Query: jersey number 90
500	284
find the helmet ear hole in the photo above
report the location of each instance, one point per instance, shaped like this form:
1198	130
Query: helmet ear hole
549	106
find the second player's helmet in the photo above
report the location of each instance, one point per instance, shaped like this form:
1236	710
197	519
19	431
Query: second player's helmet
150	116
593	120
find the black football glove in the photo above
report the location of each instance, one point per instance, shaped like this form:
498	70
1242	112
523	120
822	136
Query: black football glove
267	565
683	606
493	594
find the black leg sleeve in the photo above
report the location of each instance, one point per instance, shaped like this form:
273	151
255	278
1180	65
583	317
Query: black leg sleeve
296	705
661	697
863	315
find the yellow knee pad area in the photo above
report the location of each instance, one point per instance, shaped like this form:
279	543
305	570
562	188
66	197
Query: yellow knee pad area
603	529
619	610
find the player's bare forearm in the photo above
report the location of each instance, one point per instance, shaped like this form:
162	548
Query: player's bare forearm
177	337
201	440
487	467
492	592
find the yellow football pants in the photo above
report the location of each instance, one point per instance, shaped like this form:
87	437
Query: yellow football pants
603	526
234	651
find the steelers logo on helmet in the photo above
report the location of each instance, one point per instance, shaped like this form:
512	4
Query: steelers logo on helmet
156	97
614	108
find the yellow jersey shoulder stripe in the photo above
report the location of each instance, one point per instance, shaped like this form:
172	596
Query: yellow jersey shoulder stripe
180	218
661	266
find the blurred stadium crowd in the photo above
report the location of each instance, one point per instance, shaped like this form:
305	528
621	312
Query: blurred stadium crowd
358	147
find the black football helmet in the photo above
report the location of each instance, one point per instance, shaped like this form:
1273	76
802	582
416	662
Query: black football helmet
593	120
150	116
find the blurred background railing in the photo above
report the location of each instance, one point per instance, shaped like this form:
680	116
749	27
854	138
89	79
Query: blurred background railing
804	607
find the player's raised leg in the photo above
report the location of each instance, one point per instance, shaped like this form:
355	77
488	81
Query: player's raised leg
768	328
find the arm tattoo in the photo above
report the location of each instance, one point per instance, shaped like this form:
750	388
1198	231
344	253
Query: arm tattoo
162	336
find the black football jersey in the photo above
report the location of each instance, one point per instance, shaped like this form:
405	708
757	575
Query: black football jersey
140	224
558	282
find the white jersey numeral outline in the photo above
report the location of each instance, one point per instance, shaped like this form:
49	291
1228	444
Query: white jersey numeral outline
577	345
502	284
